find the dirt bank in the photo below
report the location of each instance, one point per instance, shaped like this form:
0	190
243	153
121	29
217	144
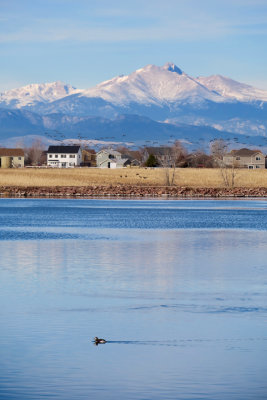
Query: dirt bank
130	191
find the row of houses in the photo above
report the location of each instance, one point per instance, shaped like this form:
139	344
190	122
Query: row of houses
73	156
69	157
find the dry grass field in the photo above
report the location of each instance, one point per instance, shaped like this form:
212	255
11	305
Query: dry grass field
132	176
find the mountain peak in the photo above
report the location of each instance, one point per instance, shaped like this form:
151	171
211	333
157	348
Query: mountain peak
151	85
36	92
172	68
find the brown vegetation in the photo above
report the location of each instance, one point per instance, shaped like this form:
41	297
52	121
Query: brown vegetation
184	177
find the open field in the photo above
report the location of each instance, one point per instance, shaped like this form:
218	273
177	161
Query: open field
195	178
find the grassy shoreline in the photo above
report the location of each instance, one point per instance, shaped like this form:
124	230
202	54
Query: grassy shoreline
140	177
130	183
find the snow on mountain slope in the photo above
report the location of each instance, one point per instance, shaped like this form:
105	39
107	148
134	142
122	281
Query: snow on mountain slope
152	85
166	86
230	89
36	93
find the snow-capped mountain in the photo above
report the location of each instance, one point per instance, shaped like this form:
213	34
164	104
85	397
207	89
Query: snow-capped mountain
163	94
152	85
230	89
33	94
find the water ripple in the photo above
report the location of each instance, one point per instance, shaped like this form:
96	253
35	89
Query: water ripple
203	309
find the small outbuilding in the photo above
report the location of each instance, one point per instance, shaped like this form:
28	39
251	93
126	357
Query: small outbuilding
11	158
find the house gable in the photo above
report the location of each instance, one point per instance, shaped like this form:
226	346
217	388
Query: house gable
245	158
11	158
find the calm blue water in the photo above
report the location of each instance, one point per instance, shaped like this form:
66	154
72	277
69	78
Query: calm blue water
178	288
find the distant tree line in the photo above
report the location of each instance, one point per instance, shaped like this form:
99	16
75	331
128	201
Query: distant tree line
177	156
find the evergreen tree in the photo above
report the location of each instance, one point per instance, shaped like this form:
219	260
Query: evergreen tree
151	161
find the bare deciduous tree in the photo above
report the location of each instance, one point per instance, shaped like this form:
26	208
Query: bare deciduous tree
218	148
122	149
170	160
199	159
228	174
34	153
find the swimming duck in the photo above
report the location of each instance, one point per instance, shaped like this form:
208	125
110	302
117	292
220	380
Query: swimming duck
98	341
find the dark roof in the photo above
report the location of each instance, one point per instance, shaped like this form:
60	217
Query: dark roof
244	152
63	149
11	152
158	151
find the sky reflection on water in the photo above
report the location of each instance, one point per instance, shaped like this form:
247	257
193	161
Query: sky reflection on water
177	288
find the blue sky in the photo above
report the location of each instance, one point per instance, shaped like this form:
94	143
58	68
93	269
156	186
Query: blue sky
84	42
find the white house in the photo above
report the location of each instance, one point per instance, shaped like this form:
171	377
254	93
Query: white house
64	156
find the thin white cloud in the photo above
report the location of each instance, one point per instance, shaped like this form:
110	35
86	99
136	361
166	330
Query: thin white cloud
153	20
196	29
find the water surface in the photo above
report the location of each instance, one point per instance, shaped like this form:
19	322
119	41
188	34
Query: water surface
178	288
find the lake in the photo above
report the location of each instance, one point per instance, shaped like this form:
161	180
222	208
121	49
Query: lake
177	288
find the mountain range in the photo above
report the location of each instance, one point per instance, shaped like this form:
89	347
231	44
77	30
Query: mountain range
152	103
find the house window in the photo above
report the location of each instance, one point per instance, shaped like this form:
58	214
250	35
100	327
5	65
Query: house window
63	156
250	167
19	158
257	166
72	155
50	156
258	158
56	155
237	158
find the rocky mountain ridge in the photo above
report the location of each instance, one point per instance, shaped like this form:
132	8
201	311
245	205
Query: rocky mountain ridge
160	94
